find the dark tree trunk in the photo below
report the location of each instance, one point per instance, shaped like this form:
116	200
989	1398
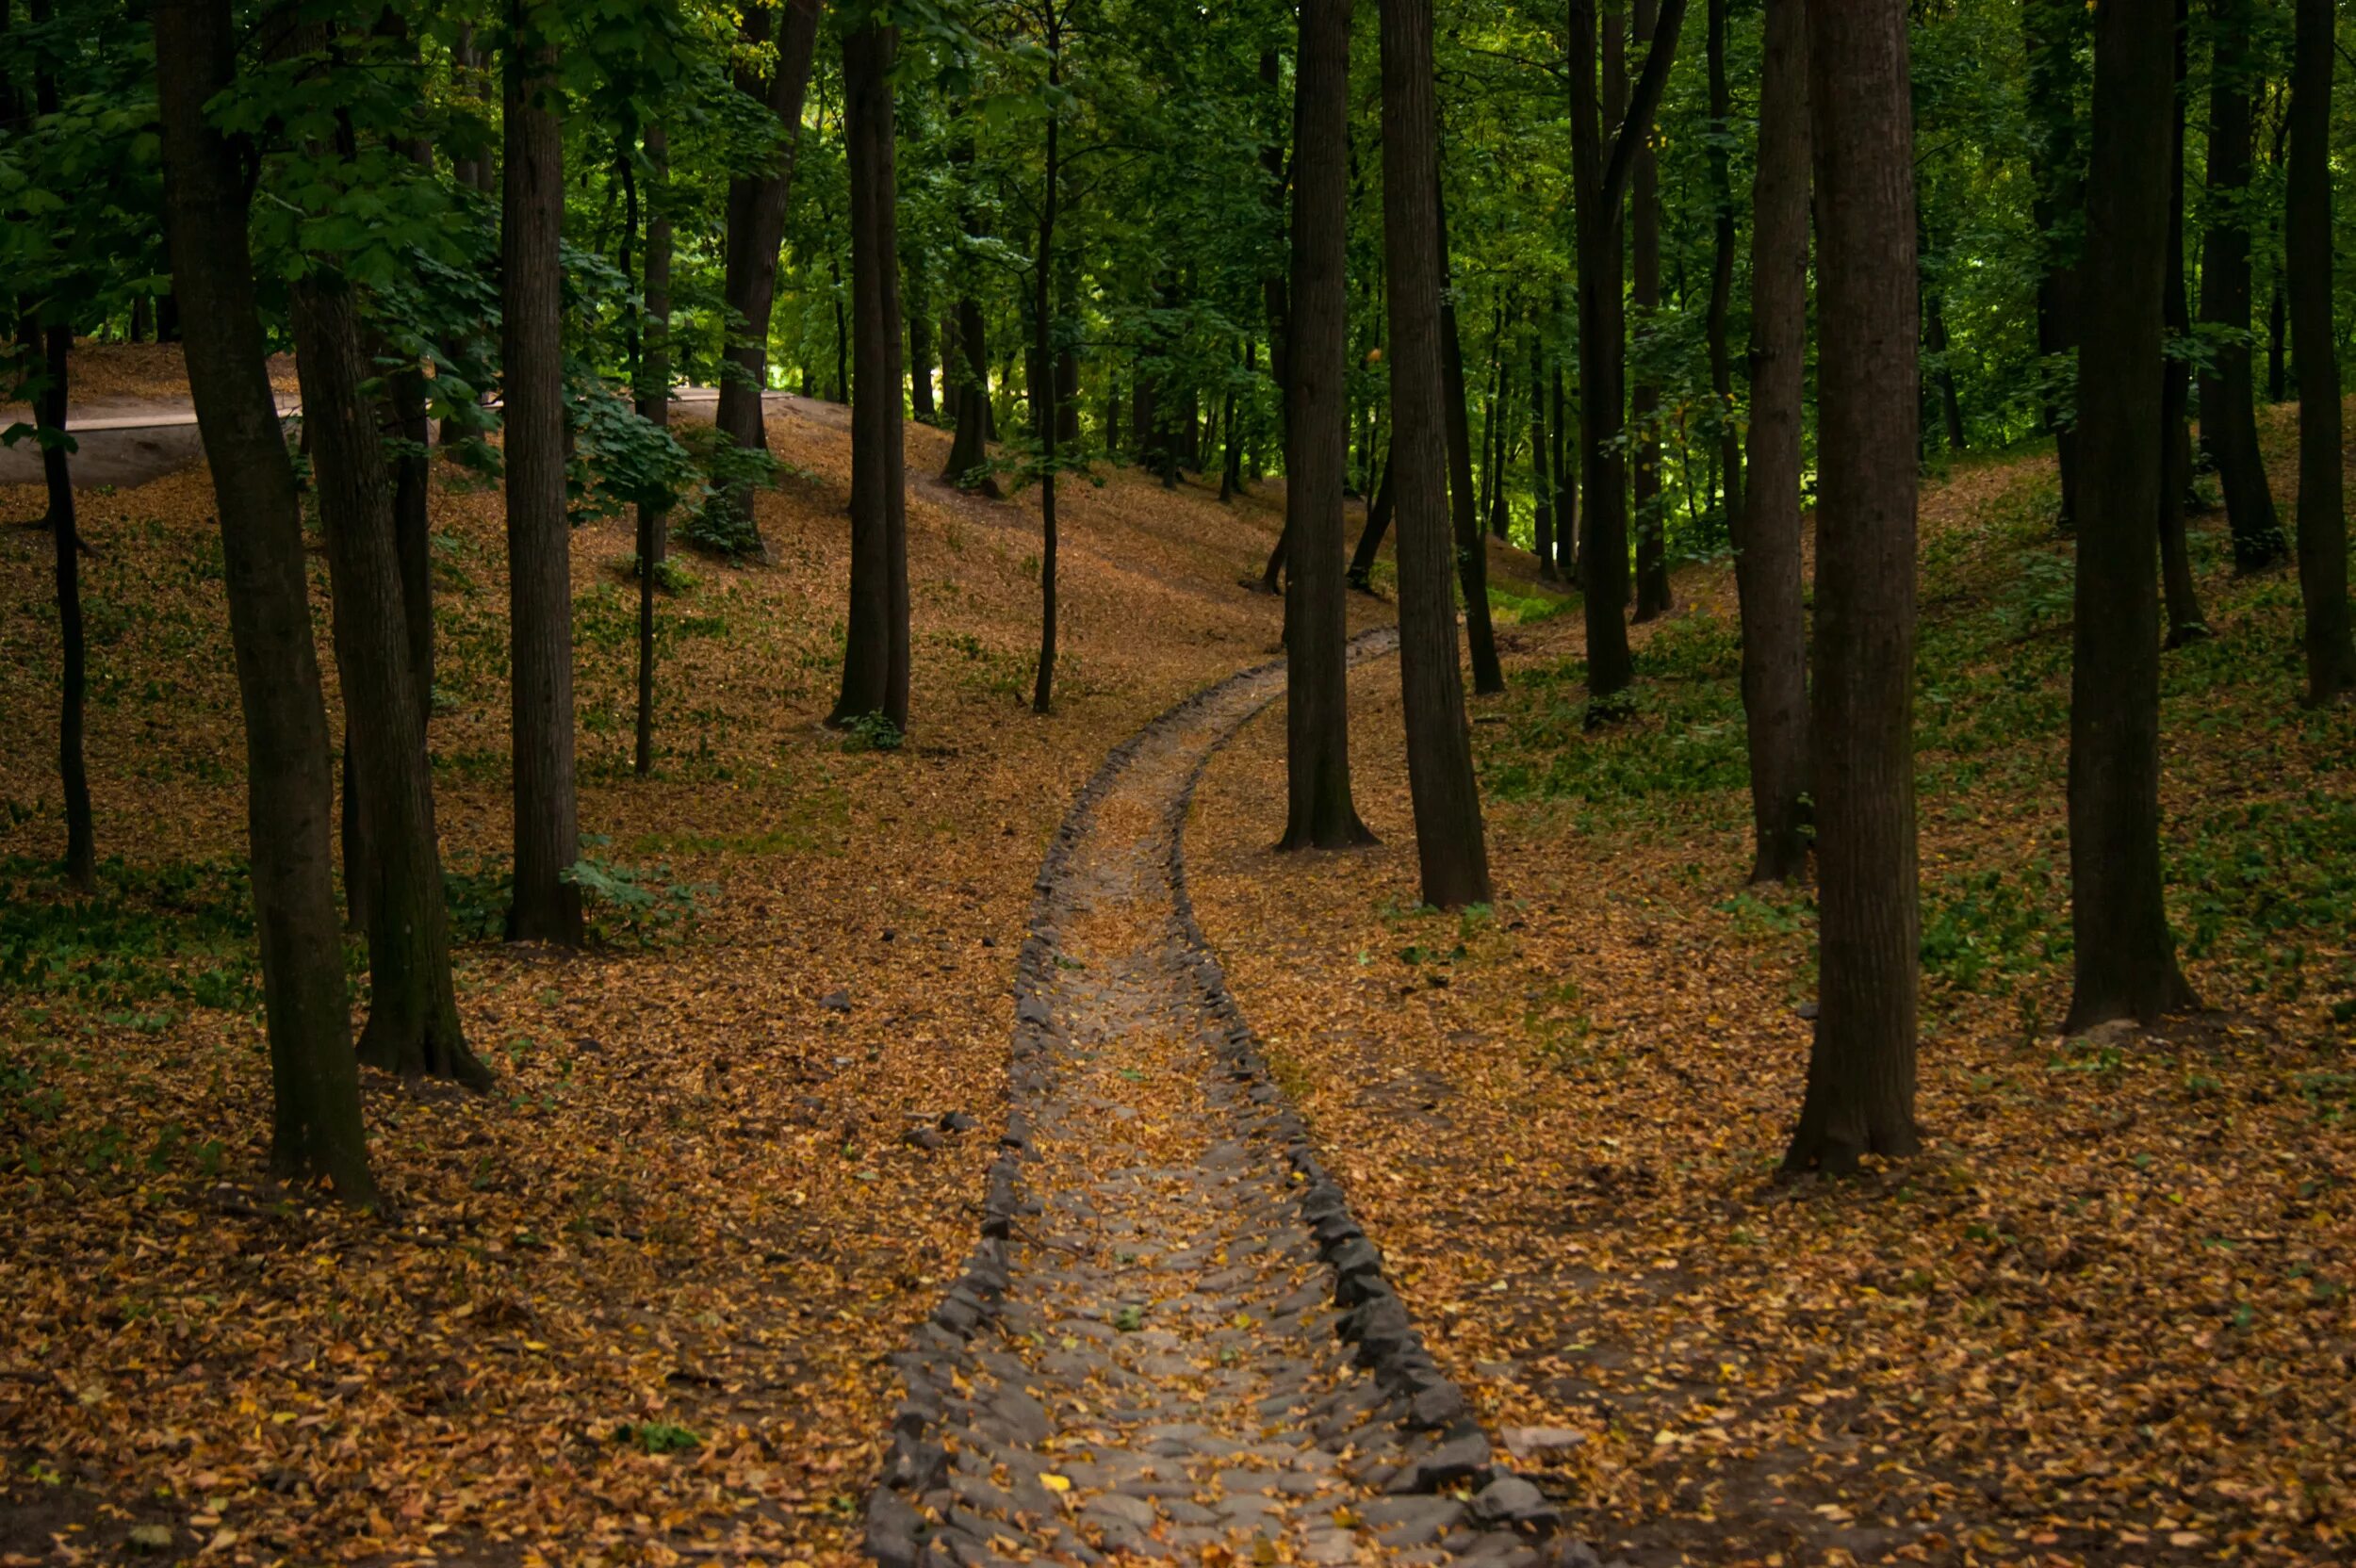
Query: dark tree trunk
950	380
1767	565
1566	484
2229	417
1047	381
1370	537
1935	342
1541	460
654	406
1652	523
1861	1073
413	1025
2057	167
1493	430
755	228
1721	265
919	346
1450	847
1602	166
539	543
1319	811
315	1130
876	649
49	411
1472	555
1272	288
2184	621
2322	509
2125	960
969	448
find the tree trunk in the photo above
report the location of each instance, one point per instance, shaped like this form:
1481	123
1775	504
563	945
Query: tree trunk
413	1025
1565	482
1370	537
1652	523
1047	384
2229	418
2322	509
539	544
1721	265
920	368
2184	621
1319	811
969	448
875	649
654	406
755	228
49	411
1472	555
1861	1072
2052	29
316	1131
1767	564
2125	959
1541	460
1450	848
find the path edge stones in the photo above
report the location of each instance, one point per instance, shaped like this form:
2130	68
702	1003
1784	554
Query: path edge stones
1448	1447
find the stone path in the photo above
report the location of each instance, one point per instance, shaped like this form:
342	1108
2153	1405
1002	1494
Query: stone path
1172	1340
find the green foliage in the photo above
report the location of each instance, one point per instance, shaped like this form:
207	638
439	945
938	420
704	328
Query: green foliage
870	732
639	904
658	1437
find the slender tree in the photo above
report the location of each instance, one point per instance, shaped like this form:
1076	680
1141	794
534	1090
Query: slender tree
1861	1071
876	650
1602	166
1650	513
2125	960
1319	812
1541	458
2322	505
2053	31
756	226
1046	377
547	907
1369	545
1450	846
2229	418
2185	623
1722	260
654	406
56	342
965	354
1767	567
316	1132
1472	554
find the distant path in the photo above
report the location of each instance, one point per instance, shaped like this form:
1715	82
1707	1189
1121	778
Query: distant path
1173	1335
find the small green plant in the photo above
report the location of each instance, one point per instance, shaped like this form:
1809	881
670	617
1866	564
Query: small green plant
1129	1319
870	732
642	902
658	1437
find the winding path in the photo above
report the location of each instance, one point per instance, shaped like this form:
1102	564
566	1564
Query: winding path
1172	1337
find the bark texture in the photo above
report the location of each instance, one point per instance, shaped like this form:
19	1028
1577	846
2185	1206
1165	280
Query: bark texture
2322	502
65	538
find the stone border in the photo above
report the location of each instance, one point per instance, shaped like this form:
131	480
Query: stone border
1446	1446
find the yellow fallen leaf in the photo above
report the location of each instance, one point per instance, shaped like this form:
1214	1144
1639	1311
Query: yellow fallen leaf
1054	1482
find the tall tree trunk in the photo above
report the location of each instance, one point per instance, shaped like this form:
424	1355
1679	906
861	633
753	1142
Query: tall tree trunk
755	228
1942	377
1319	811
1450	848
413	1026
2052	29
539	544
1565	481
1047	382
49	412
1540	459
875	649
2229	418
2185	623
1767	565
316	1131
1472	555
1602	166
1861	1070
920	368
654	406
1721	264
2322	508
965	357
1652	523
1369	545
2125	960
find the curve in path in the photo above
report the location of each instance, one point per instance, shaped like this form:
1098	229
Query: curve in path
1172	1336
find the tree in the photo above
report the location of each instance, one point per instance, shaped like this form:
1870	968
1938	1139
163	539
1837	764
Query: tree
316	1131
1602	166
1472	555
1767	566
756	227
1861	1071
1540	459
875	651
2229	417
965	356
1046	376
547	906
54	344
1721	259
1652	560
1369	545
2322	505
2185	623
1450	847
2124	960
654	406
2051	31
1319	811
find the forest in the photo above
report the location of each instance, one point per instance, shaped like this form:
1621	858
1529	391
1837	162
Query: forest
965	782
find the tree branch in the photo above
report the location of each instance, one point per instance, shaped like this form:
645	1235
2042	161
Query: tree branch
1649	86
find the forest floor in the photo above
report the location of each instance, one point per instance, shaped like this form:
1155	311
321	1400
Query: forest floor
632	1304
